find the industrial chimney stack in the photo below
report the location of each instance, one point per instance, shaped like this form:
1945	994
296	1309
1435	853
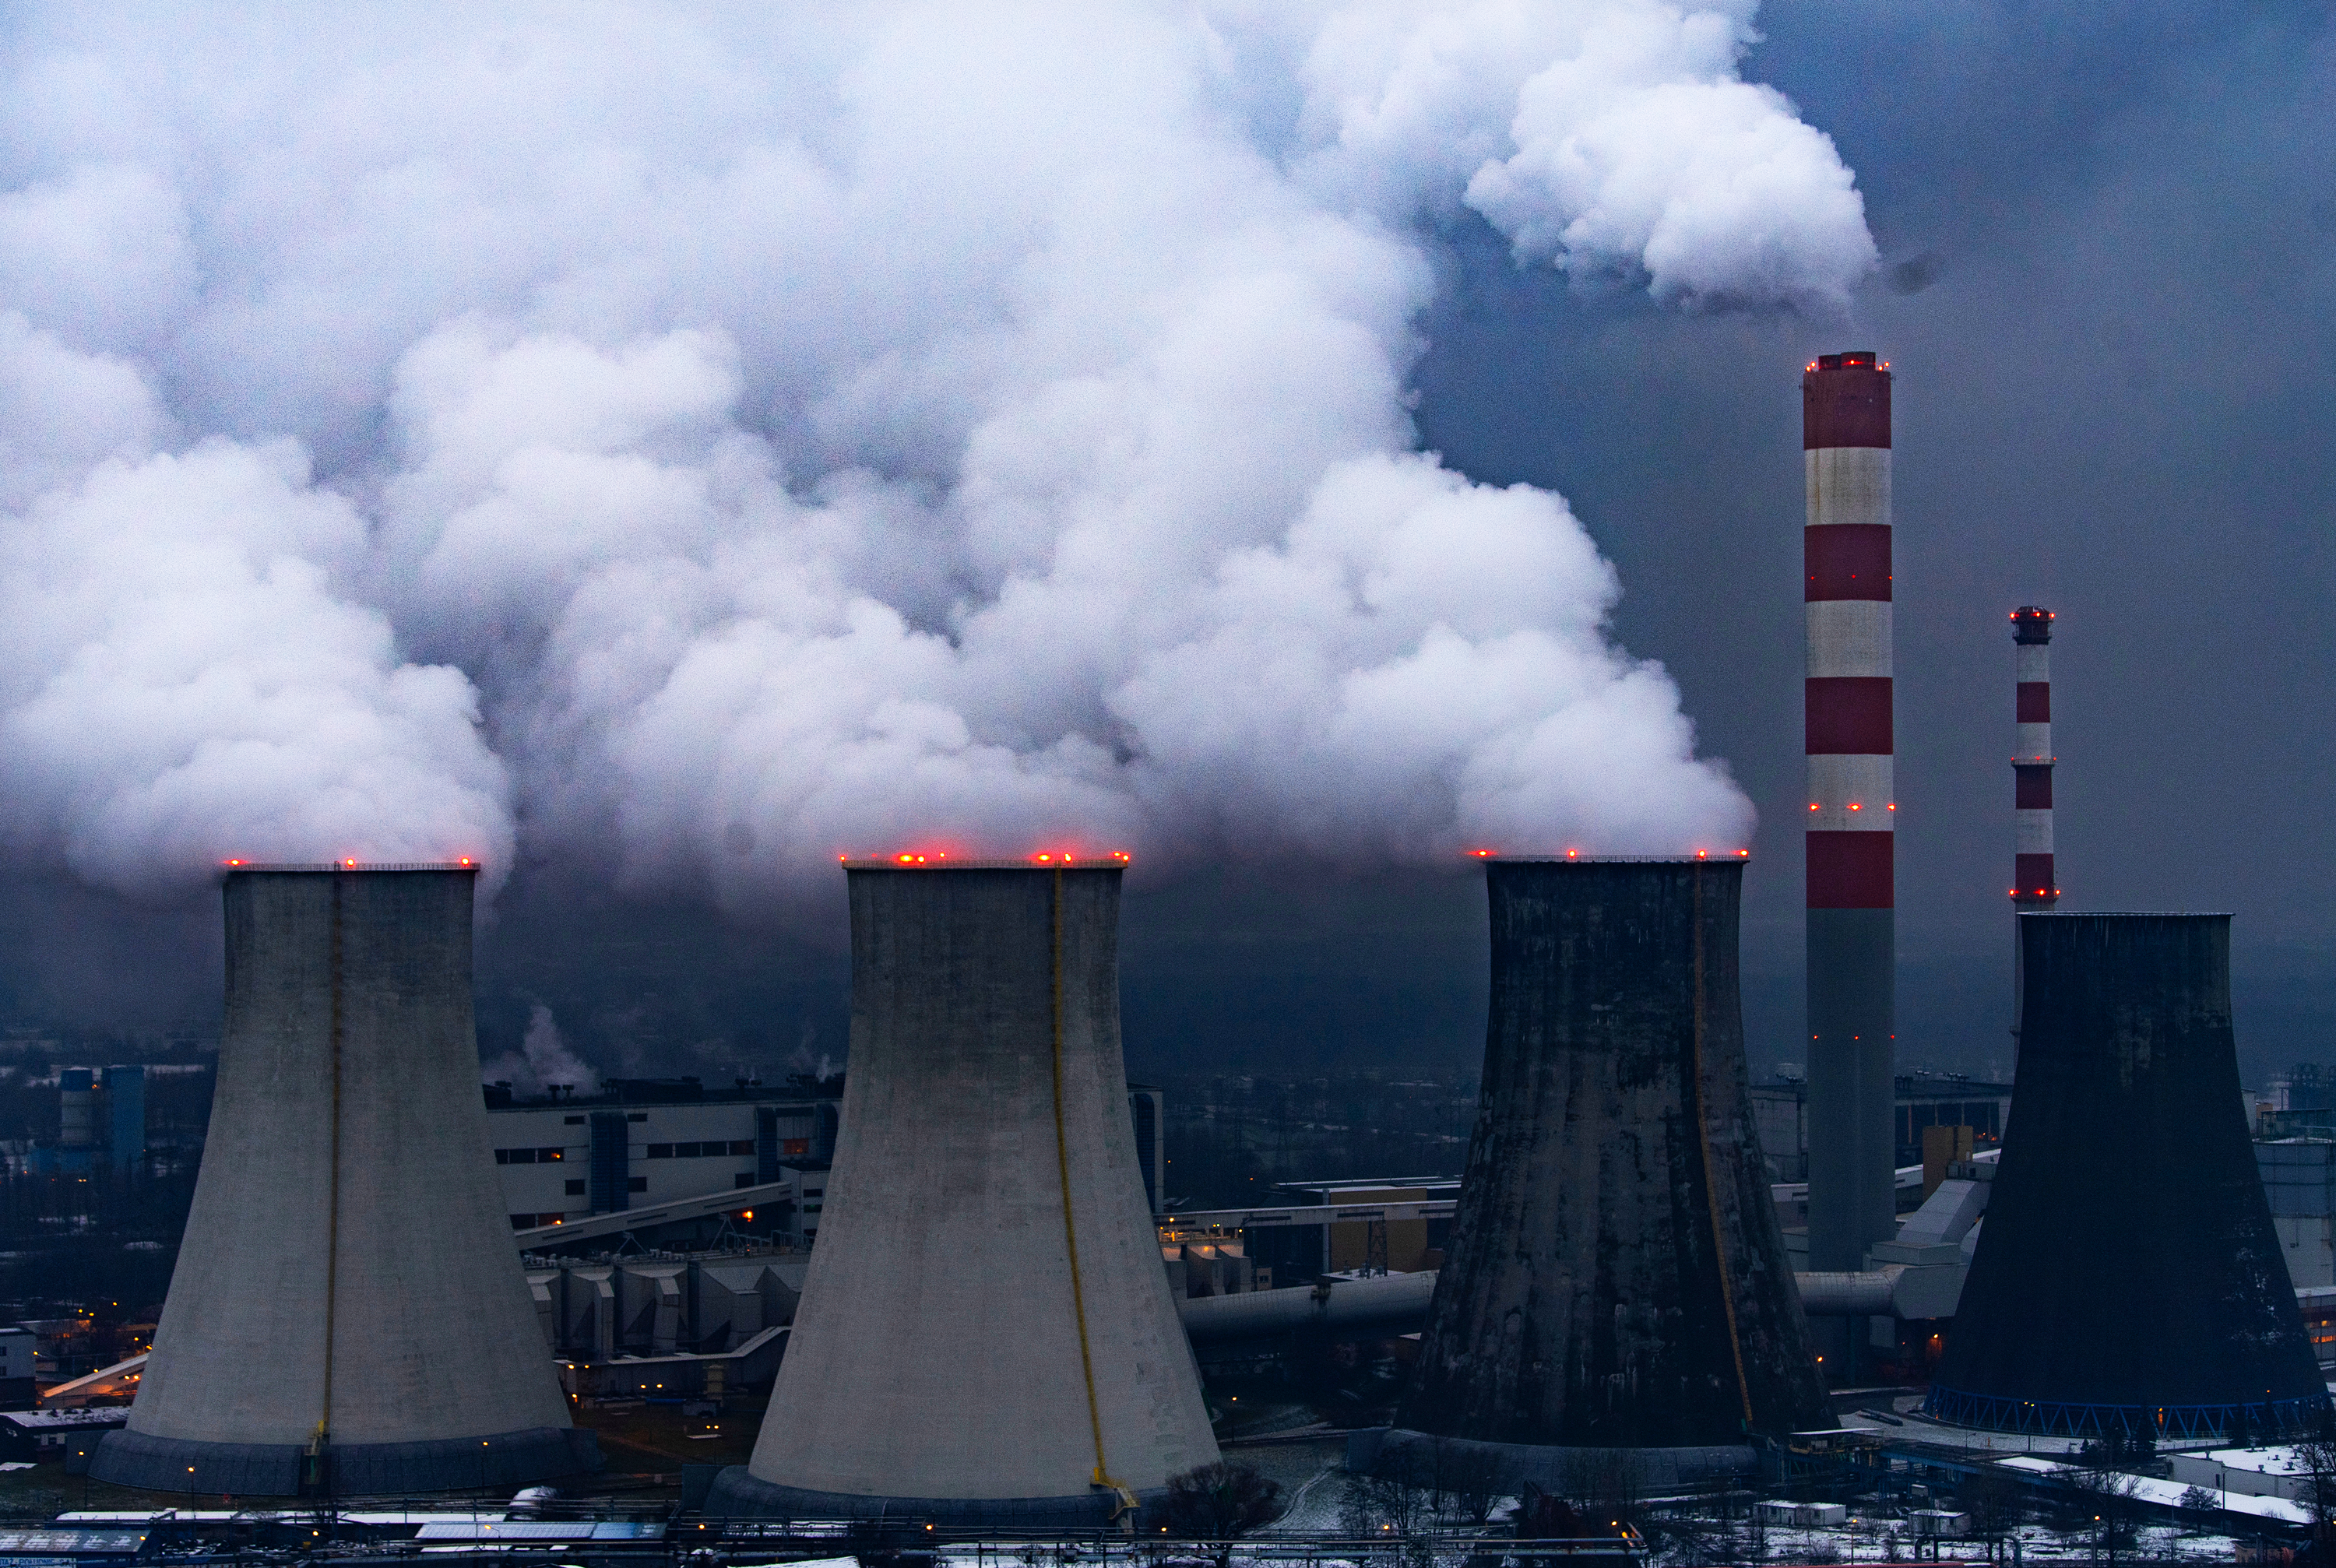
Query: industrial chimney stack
985	1336
348	1315
2032	885
1852	966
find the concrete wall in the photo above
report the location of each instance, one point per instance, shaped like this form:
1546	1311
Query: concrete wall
936	1352
1616	1276
432	1330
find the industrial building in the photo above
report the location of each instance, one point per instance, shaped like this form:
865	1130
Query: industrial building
641	1143
2168	1310
345	1189
1919	1101
100	1123
647	1141
1849	735
1616	1278
986	1333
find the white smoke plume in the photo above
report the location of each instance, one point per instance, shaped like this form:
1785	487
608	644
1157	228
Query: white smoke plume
542	1060
697	444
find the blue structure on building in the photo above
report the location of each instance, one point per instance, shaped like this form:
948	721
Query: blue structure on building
100	1123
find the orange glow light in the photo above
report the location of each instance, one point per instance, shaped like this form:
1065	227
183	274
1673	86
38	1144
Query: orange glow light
235	863
350	864
1743	854
1853	805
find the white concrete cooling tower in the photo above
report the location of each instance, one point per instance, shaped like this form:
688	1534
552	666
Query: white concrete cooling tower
986	1333
348	1315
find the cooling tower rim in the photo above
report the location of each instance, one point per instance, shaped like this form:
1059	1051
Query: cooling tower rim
344	867
2126	914
1059	864
1487	857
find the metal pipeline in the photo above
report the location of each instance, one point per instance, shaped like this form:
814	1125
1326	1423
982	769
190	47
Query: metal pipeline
1391	1304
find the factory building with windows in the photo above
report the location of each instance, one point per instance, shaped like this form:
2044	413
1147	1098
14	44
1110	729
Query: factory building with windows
1780	1113
647	1141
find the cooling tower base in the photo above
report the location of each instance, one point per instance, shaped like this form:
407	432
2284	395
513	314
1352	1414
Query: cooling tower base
2260	1419
358	1469
1426	1460
738	1495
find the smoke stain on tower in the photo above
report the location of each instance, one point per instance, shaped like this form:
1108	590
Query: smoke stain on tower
345	1177
1616	1277
2167	1310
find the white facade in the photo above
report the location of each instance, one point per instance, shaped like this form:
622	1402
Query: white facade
2246	1472
543	1153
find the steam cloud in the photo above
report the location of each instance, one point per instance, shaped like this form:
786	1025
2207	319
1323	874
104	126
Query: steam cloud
694	445
542	1060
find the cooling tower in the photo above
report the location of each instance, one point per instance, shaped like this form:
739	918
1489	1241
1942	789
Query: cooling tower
2127	1276
1616	1277
348	1315
986	1333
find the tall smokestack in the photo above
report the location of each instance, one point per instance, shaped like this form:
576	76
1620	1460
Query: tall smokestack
348	1315
1616	1278
2127	1277
986	1335
2033	888
1852	967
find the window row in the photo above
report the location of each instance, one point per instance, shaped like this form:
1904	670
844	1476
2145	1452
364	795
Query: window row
718	1147
529	1156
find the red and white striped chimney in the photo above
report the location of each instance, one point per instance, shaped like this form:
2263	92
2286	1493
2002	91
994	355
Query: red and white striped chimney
2032	887
1852	938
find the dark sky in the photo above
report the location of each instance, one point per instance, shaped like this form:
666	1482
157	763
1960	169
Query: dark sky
2109	249
2107	241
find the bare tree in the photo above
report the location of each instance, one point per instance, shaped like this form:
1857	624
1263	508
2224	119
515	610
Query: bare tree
1220	1502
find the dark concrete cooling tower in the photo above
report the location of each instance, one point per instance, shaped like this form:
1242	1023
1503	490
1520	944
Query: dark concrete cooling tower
1616	1277
2127	1276
348	1315
986	1334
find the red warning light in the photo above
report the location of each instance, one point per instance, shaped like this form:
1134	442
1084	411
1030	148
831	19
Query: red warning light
1703	855
465	861
350	864
1482	854
1571	854
235	863
1743	854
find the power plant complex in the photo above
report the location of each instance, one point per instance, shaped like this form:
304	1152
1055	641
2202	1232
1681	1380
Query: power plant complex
972	1314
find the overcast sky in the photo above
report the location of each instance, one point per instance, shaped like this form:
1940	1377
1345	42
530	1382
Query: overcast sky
2100	265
